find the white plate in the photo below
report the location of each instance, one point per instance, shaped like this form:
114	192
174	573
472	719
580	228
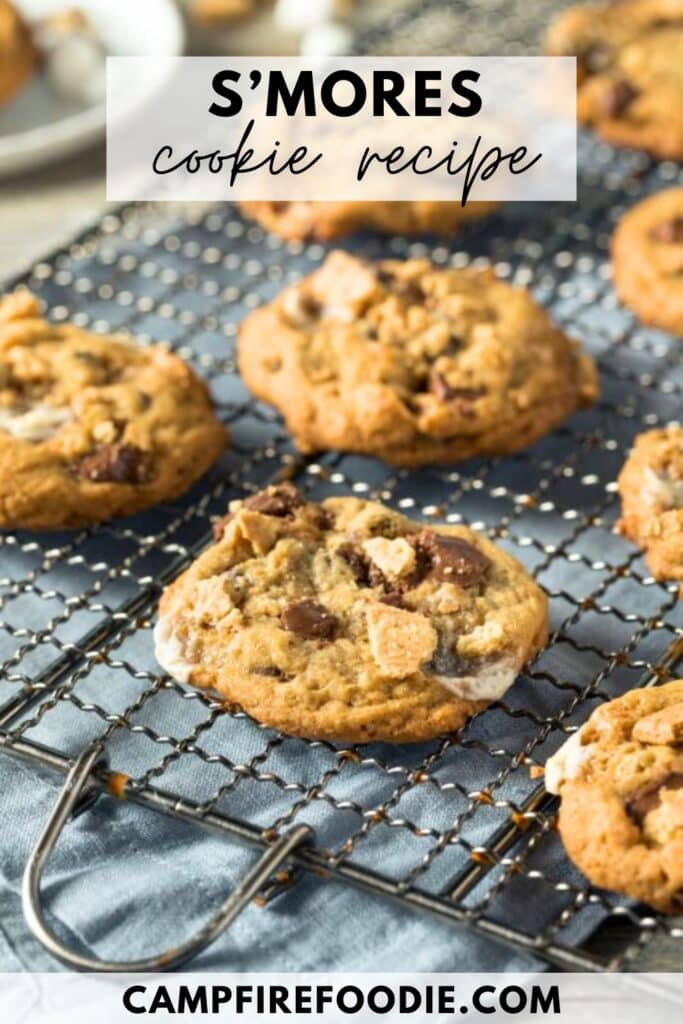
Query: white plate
38	127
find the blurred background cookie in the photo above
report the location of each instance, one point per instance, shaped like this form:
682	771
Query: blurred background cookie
18	55
647	260
630	70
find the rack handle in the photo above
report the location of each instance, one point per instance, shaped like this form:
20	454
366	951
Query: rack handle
238	899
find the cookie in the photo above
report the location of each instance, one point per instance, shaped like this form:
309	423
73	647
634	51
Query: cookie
91	426
630	70
211	13
18	57
412	363
346	621
323	221
647	260
620	778
651	489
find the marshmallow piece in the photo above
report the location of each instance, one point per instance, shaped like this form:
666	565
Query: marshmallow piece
400	641
38	424
661	489
169	651
489	682
567	762
393	558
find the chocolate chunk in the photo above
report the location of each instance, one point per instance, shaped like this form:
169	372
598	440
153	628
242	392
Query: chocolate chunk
220	525
410	291
647	797
446	662
453	560
309	620
671	231
617	98
357	563
114	463
394	598
594	58
270	671
280	500
440	387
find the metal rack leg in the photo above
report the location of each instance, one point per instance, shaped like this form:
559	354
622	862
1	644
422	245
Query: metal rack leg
238	899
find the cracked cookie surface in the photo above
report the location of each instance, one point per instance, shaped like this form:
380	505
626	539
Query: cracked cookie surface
412	363
630	70
93	426
347	621
651	489
18	57
324	221
647	258
620	778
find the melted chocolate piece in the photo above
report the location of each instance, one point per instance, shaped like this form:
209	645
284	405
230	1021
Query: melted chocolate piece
357	563
453	560
392	598
309	620
270	671
617	98
279	501
410	291
594	58
219	527
114	463
446	662
647	797
670	232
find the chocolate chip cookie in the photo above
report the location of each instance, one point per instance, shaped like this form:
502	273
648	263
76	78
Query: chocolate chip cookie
630	64
647	258
412	363
212	13
323	221
93	427
346	621
651	488
621	782
18	57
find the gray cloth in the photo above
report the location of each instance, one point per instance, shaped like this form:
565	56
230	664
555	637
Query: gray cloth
125	881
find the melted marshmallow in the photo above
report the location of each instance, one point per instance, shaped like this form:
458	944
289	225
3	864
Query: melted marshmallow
169	651
490	683
38	424
663	490
567	762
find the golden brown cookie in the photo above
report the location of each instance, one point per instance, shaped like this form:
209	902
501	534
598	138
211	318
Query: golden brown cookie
91	426
621	782
18	57
222	12
651	488
346	621
630	64
647	258
412	363
323	221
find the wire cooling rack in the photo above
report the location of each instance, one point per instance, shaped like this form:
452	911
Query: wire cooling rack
455	826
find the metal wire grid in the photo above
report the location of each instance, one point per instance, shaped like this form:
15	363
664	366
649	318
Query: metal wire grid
455	826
